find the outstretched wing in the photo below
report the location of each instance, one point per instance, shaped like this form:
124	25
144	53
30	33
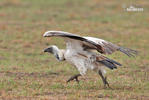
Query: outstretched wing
102	46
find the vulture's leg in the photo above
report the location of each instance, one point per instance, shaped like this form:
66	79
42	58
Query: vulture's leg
104	79
74	77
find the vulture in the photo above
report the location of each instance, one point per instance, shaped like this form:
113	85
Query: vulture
86	53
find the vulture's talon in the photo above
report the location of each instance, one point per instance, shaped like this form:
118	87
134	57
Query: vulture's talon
74	77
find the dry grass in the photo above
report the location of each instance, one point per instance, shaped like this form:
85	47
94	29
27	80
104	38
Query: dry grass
27	73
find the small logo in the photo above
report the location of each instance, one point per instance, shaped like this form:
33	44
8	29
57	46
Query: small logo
132	8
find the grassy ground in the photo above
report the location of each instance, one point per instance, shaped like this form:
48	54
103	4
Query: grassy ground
27	73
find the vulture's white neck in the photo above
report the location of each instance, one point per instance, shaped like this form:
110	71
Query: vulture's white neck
58	53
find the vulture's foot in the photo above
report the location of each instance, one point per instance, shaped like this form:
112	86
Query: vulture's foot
106	84
104	79
74	77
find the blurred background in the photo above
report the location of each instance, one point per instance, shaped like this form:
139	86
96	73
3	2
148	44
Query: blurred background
28	73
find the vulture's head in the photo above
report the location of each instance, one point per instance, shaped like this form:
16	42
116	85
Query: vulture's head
51	49
59	54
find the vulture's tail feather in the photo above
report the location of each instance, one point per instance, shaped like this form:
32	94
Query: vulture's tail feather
110	63
114	62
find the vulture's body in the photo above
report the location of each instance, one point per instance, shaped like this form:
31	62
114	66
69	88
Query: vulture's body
82	59
79	52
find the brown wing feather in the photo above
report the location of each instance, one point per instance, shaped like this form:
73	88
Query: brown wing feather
109	48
